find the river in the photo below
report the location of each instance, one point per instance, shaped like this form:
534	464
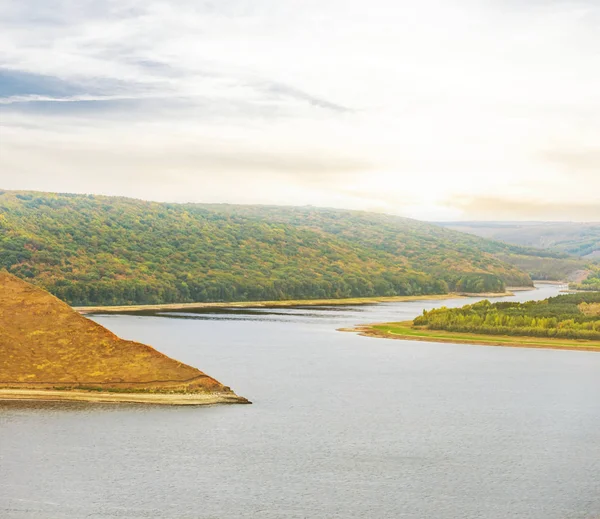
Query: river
342	426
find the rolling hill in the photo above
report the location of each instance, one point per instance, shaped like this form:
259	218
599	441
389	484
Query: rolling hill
44	344
89	249
577	239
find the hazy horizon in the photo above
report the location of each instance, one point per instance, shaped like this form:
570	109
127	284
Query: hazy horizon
449	110
500	222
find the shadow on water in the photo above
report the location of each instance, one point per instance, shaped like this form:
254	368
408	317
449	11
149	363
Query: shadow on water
289	314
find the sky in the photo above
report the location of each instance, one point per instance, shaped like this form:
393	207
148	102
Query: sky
436	109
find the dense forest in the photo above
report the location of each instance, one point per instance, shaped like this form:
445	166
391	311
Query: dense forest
376	230
90	249
573	316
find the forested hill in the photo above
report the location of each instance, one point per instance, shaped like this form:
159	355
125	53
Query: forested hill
90	249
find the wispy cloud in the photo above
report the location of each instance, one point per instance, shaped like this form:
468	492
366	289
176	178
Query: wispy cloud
584	162
526	209
320	101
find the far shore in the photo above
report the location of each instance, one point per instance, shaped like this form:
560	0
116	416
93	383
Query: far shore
136	398
405	331
288	303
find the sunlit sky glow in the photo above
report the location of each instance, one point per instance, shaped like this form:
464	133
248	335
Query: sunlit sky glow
436	109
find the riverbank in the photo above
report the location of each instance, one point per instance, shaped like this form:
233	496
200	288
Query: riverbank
287	303
407	332
136	398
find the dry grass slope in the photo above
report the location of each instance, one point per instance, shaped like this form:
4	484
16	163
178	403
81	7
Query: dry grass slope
45	344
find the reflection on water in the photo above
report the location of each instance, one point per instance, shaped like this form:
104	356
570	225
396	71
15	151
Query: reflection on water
342	426
253	314
9	409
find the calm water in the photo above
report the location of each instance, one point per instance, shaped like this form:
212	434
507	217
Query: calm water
342	426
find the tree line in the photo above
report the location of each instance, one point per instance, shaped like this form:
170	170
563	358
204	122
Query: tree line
573	316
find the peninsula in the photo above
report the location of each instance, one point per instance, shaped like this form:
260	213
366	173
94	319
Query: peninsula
48	351
567	322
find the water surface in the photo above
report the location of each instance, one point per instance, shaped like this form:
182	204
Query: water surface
342	426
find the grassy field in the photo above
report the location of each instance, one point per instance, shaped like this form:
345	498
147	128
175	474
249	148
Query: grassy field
406	331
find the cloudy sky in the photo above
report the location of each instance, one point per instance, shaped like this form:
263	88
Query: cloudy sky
436	109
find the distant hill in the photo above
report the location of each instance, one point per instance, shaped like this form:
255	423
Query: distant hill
577	239
44	344
590	282
107	250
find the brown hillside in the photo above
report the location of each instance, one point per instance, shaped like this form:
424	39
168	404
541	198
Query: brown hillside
45	344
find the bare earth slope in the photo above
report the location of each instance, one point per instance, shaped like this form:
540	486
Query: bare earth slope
45	344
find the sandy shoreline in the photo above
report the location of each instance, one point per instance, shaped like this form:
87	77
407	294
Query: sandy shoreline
138	398
288	303
368	330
